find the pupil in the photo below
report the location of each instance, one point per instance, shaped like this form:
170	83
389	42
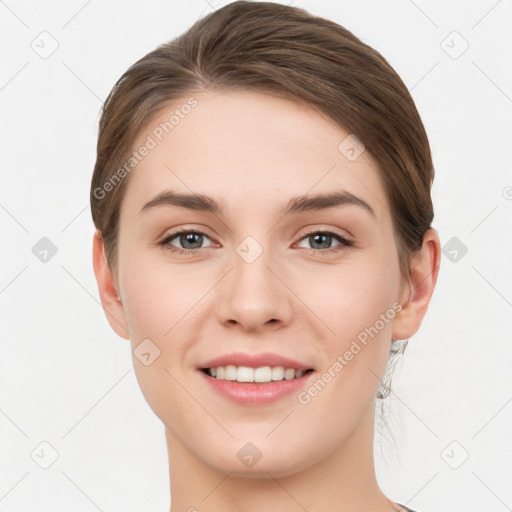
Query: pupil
189	237
323	236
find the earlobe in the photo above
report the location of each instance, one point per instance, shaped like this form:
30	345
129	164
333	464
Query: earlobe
108	294
424	271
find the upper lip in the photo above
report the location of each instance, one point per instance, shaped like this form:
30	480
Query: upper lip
255	361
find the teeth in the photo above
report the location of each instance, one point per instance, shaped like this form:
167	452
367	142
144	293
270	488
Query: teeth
247	374
289	373
230	373
244	374
278	373
263	374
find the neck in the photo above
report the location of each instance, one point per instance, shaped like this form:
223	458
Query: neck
344	481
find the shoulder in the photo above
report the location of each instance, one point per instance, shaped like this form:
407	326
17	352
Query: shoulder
405	509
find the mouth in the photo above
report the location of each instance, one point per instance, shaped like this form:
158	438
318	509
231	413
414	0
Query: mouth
260	375
255	379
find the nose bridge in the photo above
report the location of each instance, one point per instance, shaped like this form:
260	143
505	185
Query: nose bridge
252	294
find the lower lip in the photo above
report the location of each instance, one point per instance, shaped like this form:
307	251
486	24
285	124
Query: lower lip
247	393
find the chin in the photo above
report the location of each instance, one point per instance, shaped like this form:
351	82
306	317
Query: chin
245	460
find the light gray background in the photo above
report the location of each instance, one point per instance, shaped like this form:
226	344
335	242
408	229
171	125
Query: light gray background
67	379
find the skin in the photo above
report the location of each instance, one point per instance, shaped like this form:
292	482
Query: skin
252	153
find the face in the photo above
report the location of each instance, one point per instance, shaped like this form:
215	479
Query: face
260	273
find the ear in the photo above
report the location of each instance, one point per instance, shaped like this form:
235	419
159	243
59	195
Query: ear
416	297
108	293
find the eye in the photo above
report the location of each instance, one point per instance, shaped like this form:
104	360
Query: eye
325	238
191	240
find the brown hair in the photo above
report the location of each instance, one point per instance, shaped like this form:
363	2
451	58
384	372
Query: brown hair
285	51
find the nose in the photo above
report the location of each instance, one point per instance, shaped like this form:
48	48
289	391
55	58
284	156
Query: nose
254	296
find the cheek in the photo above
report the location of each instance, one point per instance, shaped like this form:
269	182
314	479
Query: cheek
159	297
159	302
355	301
350	297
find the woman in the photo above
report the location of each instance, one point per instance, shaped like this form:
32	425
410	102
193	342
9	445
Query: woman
262	202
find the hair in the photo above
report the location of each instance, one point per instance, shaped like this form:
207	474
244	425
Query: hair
285	51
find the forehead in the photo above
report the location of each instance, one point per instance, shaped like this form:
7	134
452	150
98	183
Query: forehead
243	147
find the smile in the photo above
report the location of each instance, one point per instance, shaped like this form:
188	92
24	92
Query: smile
255	379
261	374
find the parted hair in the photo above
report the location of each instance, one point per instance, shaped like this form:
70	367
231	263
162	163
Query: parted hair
287	52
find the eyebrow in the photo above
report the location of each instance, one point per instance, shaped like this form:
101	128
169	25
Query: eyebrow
299	204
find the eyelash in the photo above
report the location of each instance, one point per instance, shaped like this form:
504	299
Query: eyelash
344	242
